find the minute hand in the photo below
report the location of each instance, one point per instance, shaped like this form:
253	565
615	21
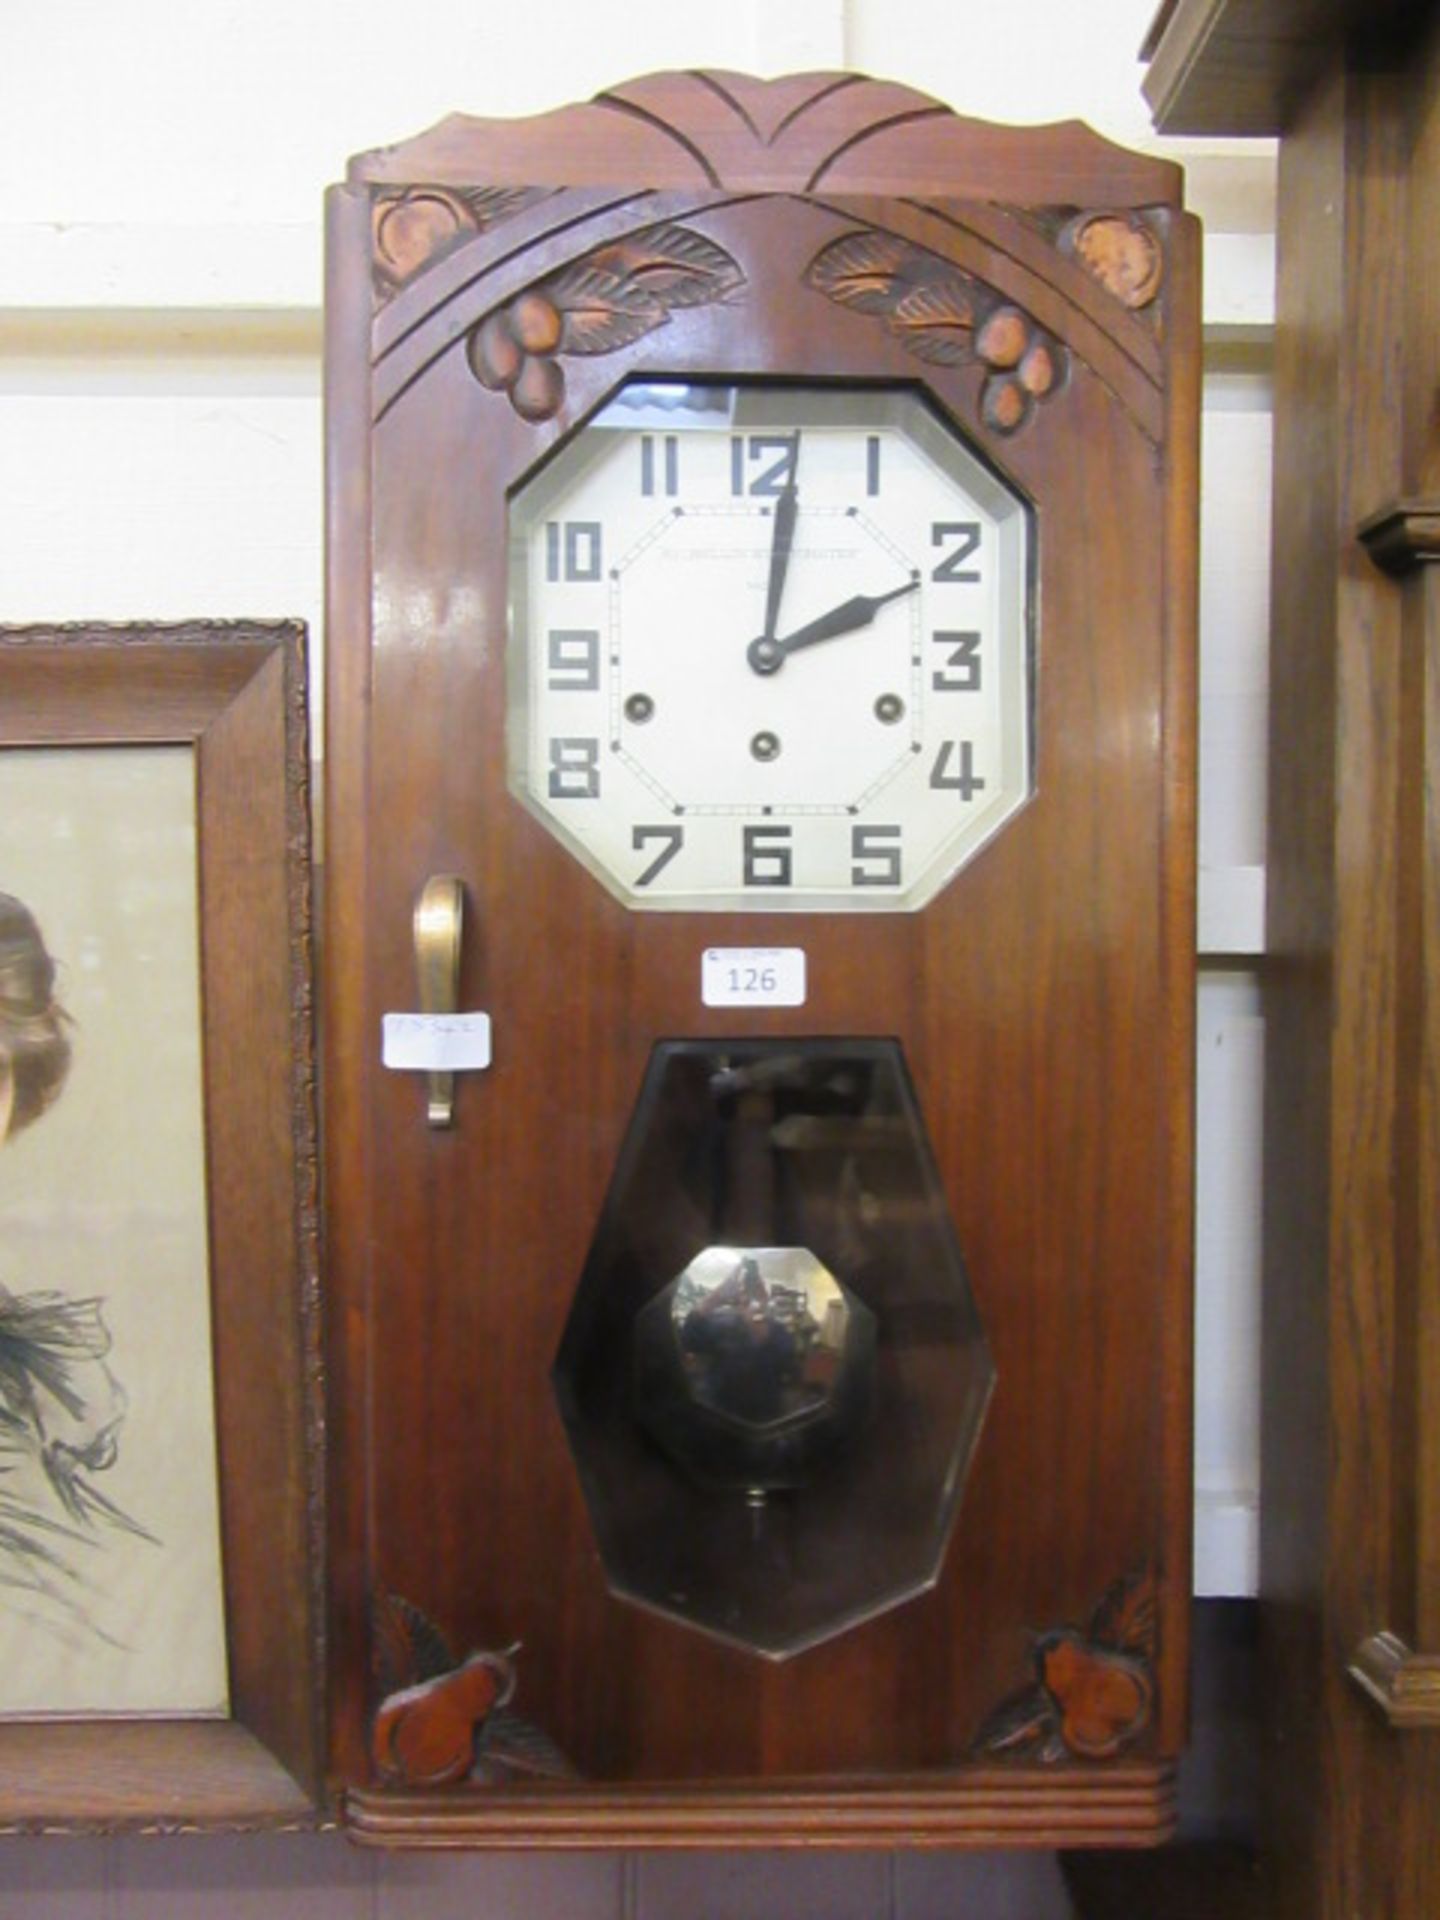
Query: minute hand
768	656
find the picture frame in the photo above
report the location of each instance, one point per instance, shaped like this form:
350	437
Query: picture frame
232	694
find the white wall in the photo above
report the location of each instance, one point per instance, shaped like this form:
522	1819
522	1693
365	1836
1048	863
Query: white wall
161	171
149	112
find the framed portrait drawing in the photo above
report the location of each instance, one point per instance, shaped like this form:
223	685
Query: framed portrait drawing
159	1464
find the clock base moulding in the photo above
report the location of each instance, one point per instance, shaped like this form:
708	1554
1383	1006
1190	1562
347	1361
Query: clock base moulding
1133	1806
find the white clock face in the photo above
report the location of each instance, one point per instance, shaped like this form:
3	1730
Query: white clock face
769	649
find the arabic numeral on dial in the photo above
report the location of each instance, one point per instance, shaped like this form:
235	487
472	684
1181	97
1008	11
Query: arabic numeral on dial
777	450
671	840
768	857
954	770
573	660
876	853
574	768
572	550
962	537
961	672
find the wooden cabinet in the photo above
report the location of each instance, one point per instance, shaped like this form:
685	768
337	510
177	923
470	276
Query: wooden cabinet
1009	1201
1350	1554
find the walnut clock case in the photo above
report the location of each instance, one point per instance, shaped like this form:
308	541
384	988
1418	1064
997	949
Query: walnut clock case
761	683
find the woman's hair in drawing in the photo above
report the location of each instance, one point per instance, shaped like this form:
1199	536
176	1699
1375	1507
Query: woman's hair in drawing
34	1044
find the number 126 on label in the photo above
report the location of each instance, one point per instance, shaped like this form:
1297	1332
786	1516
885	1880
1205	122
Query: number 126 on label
752	977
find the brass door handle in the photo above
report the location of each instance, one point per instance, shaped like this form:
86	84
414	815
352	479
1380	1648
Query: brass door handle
439	926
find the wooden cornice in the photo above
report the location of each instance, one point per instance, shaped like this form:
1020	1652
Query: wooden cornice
1242	66
1403	535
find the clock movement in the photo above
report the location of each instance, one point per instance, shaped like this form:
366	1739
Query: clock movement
760	824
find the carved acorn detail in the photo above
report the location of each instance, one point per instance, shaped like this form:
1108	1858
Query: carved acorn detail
944	315
612	297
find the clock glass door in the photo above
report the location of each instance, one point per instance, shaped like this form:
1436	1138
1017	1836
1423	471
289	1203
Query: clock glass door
773	1374
770	647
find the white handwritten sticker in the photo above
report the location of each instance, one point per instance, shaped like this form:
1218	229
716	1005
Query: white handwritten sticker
435	1042
753	977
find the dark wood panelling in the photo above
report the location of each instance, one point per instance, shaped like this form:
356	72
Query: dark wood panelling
1245	66
1350	1554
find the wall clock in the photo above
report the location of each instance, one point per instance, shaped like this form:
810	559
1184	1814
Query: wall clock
761	686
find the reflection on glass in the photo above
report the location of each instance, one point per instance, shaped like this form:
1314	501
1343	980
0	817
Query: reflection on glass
746	1324
753	1366
773	1373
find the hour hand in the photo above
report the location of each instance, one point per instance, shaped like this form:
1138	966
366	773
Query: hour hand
767	655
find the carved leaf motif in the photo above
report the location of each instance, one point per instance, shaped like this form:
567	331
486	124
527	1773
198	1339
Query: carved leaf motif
936	321
1021	1722
615	295
407	1645
624	291
1125	1618
673	265
512	1748
491	205
945	316
601	310
860	270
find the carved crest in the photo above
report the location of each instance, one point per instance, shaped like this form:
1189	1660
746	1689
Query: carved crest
612	297
944	315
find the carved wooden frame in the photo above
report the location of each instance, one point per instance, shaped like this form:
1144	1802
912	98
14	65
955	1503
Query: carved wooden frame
539	290
234	693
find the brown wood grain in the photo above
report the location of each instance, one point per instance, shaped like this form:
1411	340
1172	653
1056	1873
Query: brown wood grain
343	1075
1043	1001
145	1776
235	694
840	133
1246	66
1125	1807
1350	1576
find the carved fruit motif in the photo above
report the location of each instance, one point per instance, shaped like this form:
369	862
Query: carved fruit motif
1094	1690
596	305
1120	251
425	1735
415	226
946	316
441	1719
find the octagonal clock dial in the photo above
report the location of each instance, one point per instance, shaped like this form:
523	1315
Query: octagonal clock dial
770	648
